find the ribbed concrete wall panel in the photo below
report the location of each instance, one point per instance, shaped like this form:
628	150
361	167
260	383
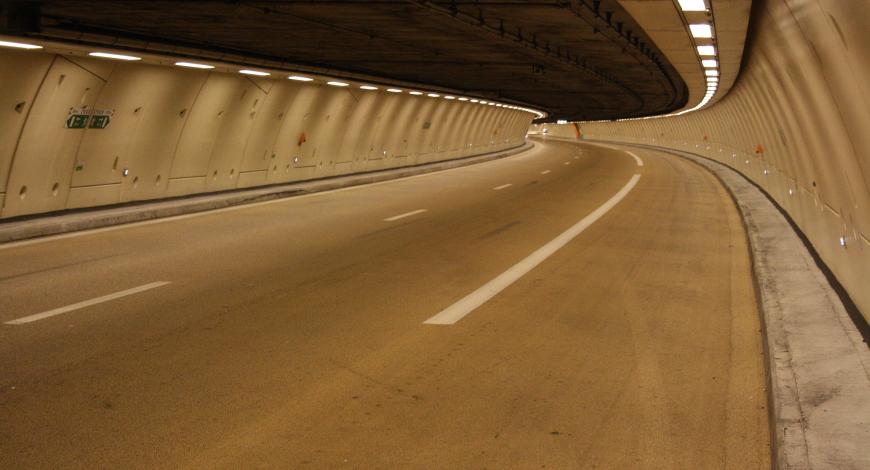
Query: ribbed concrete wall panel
797	122
175	131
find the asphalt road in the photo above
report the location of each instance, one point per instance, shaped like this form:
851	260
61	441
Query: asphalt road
292	334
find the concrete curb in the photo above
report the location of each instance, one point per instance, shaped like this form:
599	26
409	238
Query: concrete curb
818	362
58	223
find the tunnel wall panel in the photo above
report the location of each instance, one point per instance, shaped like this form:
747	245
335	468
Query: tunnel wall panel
796	122
176	131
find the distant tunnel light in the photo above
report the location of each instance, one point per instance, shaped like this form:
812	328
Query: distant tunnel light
194	65
416	93
433	95
393	90
299	78
448	97
710	63
701	30
562	121
711	73
19	45
335	83
254	72
462	98
368	87
109	55
706	51
475	101
712	79
693	5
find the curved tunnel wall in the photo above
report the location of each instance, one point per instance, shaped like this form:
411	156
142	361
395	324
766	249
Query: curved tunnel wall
181	131
797	123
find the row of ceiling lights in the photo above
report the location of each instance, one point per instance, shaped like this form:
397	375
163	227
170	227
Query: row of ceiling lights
703	33
298	78
704	36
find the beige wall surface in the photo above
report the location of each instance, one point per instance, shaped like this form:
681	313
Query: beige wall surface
797	123
184	131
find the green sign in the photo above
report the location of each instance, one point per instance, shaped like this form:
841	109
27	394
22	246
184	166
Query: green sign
83	116
77	121
99	122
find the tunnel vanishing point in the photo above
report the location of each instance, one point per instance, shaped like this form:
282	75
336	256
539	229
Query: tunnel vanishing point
447	234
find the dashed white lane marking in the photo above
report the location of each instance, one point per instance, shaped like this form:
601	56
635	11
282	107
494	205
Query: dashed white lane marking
545	172
499	188
406	214
470	302
636	158
86	303
112	228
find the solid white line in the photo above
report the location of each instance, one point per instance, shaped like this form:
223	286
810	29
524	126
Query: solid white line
80	233
406	214
86	303
636	158
467	304
499	188
545	172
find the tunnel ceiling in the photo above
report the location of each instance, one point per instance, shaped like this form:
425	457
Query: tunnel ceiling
564	57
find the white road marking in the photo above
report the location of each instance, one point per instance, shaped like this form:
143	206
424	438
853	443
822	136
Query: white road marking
406	214
545	172
470	302
80	233
636	158
86	303
499	188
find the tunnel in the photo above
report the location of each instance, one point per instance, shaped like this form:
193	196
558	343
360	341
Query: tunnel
435	234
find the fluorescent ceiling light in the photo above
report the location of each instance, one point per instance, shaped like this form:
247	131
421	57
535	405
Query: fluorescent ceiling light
702	30
712	79
19	45
299	78
707	51
368	87
475	101
433	95
416	93
394	90
109	55
711	73
483	102
462	98
194	65
333	83
448	97
254	72
710	63
693	5
491	103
